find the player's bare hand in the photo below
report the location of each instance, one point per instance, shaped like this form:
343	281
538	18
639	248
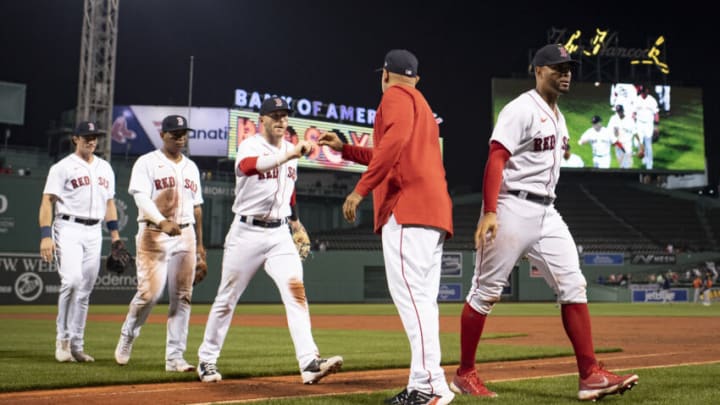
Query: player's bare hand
302	148
350	206
486	230
295	225
169	227
47	249
200	251
332	140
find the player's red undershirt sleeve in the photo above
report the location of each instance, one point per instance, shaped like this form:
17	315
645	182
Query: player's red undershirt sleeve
620	145
248	166
492	179
293	207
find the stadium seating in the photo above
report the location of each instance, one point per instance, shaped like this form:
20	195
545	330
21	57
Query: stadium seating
604	214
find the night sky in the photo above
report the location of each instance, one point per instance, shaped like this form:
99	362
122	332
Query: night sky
328	50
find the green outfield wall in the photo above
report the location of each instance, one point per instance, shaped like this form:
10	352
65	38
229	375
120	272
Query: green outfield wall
330	276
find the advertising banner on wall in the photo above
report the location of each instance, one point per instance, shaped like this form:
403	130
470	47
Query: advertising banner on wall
671	295
603	259
450	292
27	279
136	129
451	264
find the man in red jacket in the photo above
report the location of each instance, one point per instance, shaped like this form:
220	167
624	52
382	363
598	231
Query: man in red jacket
413	213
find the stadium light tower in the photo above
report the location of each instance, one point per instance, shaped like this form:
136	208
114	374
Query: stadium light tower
96	86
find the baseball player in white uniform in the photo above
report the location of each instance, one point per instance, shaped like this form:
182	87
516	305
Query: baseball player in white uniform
519	218
646	116
623	128
81	188
570	159
166	187
266	171
601	140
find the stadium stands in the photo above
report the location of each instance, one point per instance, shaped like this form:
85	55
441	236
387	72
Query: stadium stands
604	214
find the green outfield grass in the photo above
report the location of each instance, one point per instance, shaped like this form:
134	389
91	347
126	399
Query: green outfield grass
696	385
28	344
446	309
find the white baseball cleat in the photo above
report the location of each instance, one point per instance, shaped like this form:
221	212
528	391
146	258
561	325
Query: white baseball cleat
319	368
602	382
208	372
178	365
62	351
123	350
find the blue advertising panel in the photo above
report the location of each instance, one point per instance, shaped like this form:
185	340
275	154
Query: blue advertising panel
671	295
450	292
603	259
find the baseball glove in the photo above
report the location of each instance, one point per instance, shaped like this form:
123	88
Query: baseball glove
119	260
302	242
201	268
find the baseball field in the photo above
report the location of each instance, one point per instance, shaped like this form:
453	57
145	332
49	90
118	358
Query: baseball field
524	356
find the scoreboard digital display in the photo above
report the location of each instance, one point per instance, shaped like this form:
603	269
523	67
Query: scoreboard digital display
244	123
678	134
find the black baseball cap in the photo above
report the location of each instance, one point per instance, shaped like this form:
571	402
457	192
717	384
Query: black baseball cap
174	123
401	61
552	54
86	128
272	104
619	108
596	119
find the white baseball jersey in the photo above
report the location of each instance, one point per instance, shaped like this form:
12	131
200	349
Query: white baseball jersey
645	109
600	139
573	161
82	188
264	195
162	179
534	135
623	94
626	129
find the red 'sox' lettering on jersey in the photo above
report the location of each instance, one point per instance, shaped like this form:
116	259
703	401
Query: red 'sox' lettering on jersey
191	185
292	173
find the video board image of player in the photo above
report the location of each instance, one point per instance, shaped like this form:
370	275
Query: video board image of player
244	124
655	133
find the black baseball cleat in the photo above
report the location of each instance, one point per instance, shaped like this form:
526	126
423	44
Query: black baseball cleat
319	368
208	372
398	399
416	397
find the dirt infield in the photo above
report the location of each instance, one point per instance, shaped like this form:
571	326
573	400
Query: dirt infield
646	342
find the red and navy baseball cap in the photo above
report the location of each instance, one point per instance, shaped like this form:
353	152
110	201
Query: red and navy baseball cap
87	128
174	123
272	104
400	61
552	54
